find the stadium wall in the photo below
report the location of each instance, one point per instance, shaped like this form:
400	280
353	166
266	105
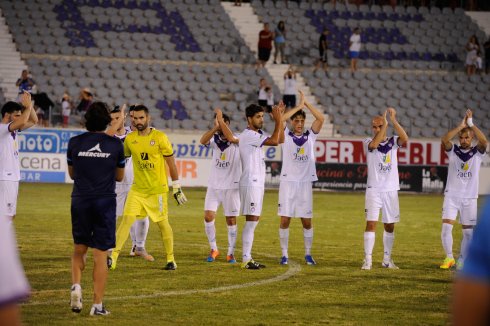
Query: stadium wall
340	163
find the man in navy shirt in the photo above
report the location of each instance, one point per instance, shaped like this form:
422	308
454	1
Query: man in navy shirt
95	161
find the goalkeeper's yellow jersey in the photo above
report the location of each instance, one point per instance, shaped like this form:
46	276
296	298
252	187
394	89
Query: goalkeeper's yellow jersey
150	176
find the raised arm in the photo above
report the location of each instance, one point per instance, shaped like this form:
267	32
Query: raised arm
224	127
403	137
273	140
24	120
316	126
209	134
480	136
446	139
380	135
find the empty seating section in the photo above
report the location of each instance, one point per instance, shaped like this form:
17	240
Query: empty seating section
179	95
400	38
428	104
161	30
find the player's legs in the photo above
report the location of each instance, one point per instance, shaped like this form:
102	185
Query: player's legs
211	204
468	221
231	209
251	199
308	239
391	215
78	260
372	206
284	238
141	227
450	209
122	234
8	198
99	274
167	238
10	315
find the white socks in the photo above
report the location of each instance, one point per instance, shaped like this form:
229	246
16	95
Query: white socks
248	239
284	240
388	239
232	232
369	238
308	239
467	234
211	234
141	231
447	239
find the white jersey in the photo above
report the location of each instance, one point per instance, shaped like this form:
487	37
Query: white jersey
463	171
226	167
128	169
382	165
355	39
252	157
289	86
298	156
9	154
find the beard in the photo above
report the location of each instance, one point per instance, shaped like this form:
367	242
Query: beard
141	126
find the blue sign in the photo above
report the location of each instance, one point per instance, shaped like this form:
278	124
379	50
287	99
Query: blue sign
45	140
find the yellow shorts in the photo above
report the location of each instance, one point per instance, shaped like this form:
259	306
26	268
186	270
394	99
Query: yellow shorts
141	205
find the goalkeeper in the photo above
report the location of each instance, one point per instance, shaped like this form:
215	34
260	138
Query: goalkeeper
150	149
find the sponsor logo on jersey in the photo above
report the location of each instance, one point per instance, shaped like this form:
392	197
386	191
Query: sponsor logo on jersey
144	156
300	156
94	152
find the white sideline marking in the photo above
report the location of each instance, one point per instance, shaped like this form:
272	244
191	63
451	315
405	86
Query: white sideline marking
293	269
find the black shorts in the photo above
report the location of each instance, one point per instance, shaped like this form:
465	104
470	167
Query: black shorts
264	54
93	221
262	103
289	100
323	56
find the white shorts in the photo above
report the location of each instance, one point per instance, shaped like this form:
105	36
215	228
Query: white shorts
251	199
465	206
121	195
295	199
387	202
8	197
229	198
13	283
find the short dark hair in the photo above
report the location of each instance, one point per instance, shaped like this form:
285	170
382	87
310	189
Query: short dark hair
11	107
97	117
226	118
141	107
252	109
299	113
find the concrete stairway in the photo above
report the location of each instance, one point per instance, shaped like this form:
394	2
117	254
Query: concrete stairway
249	26
11	64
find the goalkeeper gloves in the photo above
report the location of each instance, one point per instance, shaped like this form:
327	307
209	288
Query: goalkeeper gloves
178	194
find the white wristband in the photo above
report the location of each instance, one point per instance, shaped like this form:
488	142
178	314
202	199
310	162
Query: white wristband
175	183
469	122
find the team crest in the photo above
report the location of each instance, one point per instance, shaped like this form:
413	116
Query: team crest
152	142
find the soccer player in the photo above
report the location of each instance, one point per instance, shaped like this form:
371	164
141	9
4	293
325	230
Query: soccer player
382	185
13	283
252	180
461	191
150	150
222	189
139	229
95	161
297	175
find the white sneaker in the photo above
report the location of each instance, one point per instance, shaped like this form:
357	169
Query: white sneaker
366	265
132	252
389	264
76	299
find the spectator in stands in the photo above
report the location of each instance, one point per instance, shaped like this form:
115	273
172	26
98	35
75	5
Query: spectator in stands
86	98
354	48
265	45
472	48
262	93
238	3
40	116
478	62
66	107
25	82
43	106
289	95
270	99
486	47
280	41
322	48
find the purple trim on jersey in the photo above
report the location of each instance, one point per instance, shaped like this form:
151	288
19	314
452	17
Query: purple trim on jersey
465	156
222	144
299	141
386	147
15	299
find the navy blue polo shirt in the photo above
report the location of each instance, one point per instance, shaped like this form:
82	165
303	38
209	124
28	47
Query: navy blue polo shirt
94	157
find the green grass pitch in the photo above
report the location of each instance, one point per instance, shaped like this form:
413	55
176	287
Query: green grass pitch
335	292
